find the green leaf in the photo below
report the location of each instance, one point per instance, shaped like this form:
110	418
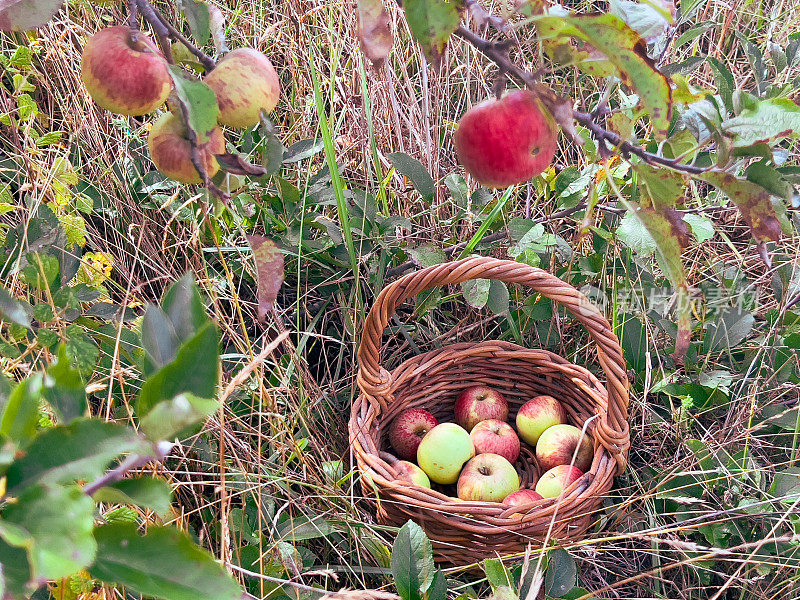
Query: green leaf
145	492
769	120
724	80
562	573
184	307
632	232
476	292
41	270
21	413
82	350
412	562
15	571
786	485
661	187
199	102
24	15
159	340
80	451
197	17
497	574
302	528
702	227
59	520
752	200
64	389
170	418
269	269
164	563
427	256
498	297
438	588
730	328
623	48
415	171
13	310
195	371
649	19
432	22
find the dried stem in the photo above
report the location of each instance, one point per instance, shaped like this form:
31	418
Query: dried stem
163	27
607	139
126	466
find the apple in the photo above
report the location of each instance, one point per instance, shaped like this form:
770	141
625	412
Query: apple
495	437
407	430
557	445
553	483
522	497
487	478
172	153
408	471
443	451
245	83
478	403
122	76
506	141
538	414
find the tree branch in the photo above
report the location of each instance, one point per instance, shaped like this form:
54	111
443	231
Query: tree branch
160	23
603	136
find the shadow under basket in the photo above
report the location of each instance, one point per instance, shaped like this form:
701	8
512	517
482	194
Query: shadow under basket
465	532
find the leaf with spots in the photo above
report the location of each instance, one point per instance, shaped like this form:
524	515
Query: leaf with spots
24	15
609	41
432	22
662	187
768	120
269	268
752	200
198	103
373	30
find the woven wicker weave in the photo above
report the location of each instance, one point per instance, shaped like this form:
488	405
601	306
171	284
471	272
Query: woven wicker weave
464	532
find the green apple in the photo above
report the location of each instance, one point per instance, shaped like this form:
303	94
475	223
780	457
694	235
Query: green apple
408	471
487	478
553	483
443	451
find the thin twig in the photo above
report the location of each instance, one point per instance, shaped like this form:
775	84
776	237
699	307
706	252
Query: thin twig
134	461
158	21
501	59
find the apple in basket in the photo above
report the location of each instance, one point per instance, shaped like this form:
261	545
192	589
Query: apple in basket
478	403
407	430
536	415
553	483
496	437
558	444
443	451
408	471
487	478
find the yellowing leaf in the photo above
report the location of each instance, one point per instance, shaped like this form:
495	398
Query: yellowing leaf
432	22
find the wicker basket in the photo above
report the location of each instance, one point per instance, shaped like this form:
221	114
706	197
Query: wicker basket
465	532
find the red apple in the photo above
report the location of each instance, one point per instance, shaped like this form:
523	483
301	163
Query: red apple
557	445
553	483
245	83
478	403
496	437
487	478
122	76
507	141
172	153
538	414
407	430
408	471
522	497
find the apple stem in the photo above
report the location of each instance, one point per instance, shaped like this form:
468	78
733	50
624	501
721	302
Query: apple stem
608	139
164	29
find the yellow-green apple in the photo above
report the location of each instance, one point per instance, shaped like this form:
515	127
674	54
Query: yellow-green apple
496	437
553	483
443	451
171	151
478	403
559	443
245	83
506	141
407	430
487	478
123	76
408	471
536	415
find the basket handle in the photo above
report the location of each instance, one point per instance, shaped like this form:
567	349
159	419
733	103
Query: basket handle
375	381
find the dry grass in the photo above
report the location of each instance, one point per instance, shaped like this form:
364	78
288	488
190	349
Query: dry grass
278	436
